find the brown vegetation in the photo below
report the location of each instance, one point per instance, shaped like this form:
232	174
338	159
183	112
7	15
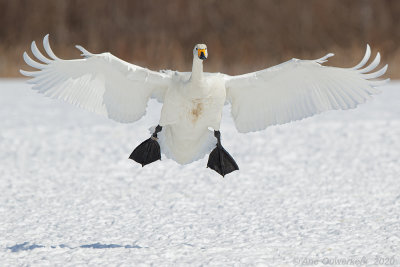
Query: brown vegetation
242	36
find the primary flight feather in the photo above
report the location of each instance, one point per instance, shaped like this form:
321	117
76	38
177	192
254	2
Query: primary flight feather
193	102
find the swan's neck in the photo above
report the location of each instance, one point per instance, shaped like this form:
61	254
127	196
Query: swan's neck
197	69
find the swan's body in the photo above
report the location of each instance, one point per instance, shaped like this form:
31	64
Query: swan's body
191	106
193	102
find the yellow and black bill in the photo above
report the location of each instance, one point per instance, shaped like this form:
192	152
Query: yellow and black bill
201	53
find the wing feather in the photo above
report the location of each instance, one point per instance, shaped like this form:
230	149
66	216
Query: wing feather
33	63
364	60
48	49
30	73
36	52
297	89
373	65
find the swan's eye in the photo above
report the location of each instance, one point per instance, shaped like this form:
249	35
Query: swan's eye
196	48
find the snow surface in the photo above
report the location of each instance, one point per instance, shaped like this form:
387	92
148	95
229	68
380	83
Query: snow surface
322	188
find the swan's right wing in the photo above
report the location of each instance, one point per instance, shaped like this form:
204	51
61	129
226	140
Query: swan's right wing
298	89
101	83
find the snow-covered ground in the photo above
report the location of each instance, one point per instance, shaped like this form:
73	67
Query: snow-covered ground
323	189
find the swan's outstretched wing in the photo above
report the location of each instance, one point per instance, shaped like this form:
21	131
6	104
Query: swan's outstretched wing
297	89
101	83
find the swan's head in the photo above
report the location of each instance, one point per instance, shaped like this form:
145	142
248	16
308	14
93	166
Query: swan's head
200	51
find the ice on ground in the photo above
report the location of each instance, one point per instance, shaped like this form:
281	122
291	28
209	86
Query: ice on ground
322	188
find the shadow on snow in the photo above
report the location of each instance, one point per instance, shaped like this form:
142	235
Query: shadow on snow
25	246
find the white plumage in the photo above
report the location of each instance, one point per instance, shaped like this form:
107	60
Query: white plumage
298	89
193	102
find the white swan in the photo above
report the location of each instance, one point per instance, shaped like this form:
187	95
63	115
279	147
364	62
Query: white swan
193	102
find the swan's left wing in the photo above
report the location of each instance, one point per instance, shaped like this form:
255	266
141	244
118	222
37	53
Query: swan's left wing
101	83
298	89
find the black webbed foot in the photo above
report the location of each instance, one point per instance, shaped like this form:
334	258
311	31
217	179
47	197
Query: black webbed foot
220	160
148	151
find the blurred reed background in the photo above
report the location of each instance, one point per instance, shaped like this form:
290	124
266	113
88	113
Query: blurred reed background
242	36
